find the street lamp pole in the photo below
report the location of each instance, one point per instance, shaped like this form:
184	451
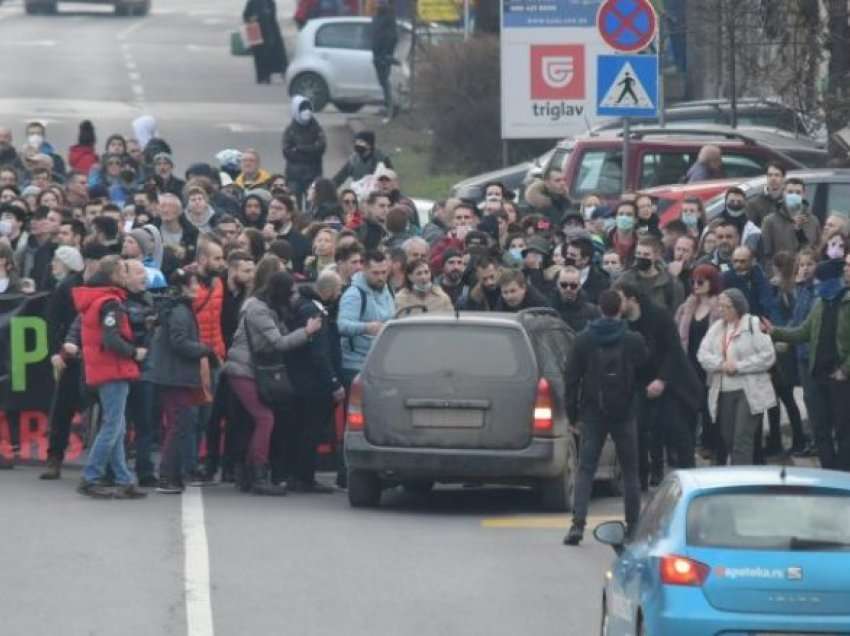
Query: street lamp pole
465	20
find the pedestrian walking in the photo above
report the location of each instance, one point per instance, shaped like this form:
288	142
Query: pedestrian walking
601	393
738	356
270	56
384	41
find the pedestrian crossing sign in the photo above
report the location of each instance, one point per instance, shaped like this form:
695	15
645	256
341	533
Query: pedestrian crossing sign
627	85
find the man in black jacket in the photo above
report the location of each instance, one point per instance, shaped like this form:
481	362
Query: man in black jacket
571	301
594	280
318	387
384	41
517	294
606	352
304	147
670	390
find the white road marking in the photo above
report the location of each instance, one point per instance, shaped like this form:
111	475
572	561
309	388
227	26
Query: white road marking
199	619
131	65
124	33
138	89
134	76
44	43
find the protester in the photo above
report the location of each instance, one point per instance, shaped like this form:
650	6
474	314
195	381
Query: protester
790	227
303	147
738	356
384	42
270	56
601	392
419	292
572	302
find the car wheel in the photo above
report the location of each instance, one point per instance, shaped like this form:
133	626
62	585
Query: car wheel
364	489
557	494
313	87
422	487
346	107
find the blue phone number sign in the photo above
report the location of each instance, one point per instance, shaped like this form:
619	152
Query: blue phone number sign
549	13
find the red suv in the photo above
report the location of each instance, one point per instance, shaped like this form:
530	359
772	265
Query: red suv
593	164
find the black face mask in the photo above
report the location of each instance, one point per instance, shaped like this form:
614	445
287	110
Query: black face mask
643	264
570	262
128	175
362	151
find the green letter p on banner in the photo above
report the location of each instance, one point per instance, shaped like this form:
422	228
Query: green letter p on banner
21	356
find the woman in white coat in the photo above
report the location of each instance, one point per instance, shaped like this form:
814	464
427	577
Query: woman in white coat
737	357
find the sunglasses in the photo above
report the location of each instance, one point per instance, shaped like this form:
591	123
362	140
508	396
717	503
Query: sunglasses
569	285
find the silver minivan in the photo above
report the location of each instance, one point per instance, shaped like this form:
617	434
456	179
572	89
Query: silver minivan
465	398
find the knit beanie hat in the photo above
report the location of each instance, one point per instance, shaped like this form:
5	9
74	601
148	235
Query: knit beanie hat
144	239
738	300
70	257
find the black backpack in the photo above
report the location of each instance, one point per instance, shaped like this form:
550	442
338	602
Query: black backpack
615	381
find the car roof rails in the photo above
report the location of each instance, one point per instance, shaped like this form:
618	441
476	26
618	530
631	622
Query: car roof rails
641	132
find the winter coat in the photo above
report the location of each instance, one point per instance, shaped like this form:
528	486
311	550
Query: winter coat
358	167
802	308
371	234
82	158
259	181
384	35
779	233
581	383
353	316
435	301
532	299
189	239
477	299
207	222
762	205
753	354
60	311
176	350
576	314
207	307
756	288
664	290
311	368
268	334
597	281
301	248
809	333
546	203
303	148
685	316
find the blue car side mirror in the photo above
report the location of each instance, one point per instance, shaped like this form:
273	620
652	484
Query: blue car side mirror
611	533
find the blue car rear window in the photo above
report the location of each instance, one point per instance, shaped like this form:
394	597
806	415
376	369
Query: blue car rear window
809	520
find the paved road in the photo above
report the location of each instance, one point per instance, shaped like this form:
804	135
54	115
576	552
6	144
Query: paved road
459	562
174	64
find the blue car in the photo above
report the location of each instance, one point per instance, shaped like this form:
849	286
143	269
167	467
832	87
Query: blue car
734	551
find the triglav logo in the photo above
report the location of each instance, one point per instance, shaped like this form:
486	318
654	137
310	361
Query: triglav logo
557	72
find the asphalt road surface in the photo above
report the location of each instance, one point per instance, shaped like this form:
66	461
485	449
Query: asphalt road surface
459	562
175	64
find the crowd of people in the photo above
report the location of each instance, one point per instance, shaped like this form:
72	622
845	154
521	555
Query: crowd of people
175	302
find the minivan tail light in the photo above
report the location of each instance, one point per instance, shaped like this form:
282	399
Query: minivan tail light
679	570
543	415
355	420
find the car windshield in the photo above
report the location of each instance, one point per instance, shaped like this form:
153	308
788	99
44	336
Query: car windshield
488	352
769	520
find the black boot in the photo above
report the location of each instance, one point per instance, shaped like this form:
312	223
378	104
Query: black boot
575	535
262	484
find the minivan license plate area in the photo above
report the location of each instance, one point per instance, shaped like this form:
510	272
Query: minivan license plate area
448	418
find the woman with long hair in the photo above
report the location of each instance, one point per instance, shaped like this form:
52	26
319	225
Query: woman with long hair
324	250
262	329
419	290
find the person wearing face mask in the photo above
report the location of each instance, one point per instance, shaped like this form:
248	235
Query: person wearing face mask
36	138
571	301
420	291
579	253
650	276
735	213
791	227
304	145
623	238
612	265
693	216
363	161
9	157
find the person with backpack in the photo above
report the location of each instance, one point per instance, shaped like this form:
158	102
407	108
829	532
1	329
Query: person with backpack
601	393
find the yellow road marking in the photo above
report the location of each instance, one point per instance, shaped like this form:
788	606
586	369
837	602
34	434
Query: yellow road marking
543	522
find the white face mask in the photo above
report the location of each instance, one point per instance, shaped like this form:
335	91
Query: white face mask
5	228
588	212
35	140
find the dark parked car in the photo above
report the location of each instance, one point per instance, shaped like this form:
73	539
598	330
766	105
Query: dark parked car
468	398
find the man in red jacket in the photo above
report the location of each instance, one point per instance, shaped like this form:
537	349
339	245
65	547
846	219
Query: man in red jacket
111	362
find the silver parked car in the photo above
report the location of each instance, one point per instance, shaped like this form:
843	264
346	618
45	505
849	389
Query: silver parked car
332	63
469	398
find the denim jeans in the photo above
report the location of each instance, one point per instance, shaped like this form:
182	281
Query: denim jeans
108	447
195	433
140	405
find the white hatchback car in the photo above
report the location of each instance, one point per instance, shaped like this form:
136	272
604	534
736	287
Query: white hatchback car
333	62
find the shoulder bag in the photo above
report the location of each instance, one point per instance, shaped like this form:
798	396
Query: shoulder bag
274	386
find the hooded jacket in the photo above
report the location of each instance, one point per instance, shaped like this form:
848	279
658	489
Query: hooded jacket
107	347
303	144
176	350
353	317
312	367
582	379
359	166
662	289
207	222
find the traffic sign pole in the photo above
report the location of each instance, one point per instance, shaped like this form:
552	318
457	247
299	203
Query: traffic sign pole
626	144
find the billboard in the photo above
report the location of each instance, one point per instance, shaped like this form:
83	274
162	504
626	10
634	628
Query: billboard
548	56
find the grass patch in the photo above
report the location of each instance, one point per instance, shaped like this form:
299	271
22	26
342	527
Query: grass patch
409	148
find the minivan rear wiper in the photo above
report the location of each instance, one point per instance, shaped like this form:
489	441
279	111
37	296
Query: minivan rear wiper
796	543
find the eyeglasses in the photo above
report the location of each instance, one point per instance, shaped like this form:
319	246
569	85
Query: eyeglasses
569	285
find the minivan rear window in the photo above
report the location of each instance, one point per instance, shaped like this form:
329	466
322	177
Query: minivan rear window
770	520
486	352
